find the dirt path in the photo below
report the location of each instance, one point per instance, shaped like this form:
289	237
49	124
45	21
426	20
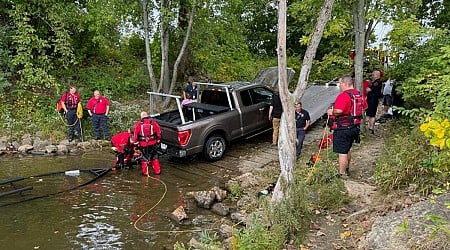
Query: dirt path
346	228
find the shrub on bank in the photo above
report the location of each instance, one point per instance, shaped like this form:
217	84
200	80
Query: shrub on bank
410	161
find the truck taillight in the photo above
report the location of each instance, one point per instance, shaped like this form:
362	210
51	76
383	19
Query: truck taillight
183	137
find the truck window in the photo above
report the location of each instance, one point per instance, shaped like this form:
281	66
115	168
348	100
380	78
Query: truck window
261	95
216	98
245	97
256	95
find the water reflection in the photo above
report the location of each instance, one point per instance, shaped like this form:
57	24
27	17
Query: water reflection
96	232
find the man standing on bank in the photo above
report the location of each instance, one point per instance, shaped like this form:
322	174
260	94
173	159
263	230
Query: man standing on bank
347	130
98	108
275	111
302	122
373	97
69	102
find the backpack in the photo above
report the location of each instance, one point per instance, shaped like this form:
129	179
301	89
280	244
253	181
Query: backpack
355	116
149	132
59	107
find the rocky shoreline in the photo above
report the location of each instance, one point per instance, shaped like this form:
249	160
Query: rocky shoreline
36	145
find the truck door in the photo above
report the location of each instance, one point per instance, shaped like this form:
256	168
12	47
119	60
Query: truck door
255	109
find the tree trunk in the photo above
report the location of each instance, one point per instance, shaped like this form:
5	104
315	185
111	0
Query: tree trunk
359	24
147	46
287	131
164	82
287	136
360	42
180	54
311	50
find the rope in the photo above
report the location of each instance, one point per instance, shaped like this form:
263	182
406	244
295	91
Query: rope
325	134
169	231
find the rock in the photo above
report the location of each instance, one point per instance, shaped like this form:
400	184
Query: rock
26	139
39	144
15	145
204	198
179	214
220	193
225	231
25	148
3	146
51	149
238	218
220	209
386	234
62	149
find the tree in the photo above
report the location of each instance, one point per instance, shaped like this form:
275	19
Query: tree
287	130
166	84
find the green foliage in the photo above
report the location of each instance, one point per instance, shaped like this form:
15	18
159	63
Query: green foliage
258	237
438	131
399	167
210	239
236	191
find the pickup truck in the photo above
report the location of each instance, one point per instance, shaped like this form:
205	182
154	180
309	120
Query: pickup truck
223	113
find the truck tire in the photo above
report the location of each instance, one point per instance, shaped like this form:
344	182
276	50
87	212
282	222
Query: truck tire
214	148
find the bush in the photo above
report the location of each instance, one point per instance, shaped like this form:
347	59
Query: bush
410	161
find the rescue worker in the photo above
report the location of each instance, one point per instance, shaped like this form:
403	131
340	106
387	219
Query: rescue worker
147	136
123	148
98	108
347	119
69	102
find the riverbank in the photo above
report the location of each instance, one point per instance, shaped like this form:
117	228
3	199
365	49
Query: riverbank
37	145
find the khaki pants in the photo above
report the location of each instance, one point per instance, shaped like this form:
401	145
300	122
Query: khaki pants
276	129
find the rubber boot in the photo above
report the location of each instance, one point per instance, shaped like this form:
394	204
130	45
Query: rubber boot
156	166
144	167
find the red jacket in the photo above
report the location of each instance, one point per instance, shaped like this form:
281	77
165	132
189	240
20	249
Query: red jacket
147	132
121	141
71	100
97	106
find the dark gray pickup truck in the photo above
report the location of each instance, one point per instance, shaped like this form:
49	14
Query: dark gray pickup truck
224	112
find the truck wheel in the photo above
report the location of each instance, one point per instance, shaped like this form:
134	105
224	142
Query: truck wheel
214	148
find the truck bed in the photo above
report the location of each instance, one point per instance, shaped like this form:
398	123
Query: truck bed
192	112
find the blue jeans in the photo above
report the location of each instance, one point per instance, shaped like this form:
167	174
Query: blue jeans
73	123
300	139
100	121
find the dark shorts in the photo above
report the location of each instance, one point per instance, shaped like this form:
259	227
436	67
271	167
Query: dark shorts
387	100
343	139
372	104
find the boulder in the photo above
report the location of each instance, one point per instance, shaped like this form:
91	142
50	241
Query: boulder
62	149
238	218
387	232
40	144
25	148
220	193
204	198
220	209
179	214
225	231
50	149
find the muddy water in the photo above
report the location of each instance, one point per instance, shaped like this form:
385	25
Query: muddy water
103	215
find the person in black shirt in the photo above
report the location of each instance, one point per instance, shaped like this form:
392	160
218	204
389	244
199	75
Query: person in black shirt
302	122
373	96
275	111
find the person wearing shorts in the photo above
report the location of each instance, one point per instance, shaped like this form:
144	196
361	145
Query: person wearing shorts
344	136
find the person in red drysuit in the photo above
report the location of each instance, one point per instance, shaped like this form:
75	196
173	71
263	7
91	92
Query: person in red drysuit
123	148
147	136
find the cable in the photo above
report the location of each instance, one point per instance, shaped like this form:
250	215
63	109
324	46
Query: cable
97	172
